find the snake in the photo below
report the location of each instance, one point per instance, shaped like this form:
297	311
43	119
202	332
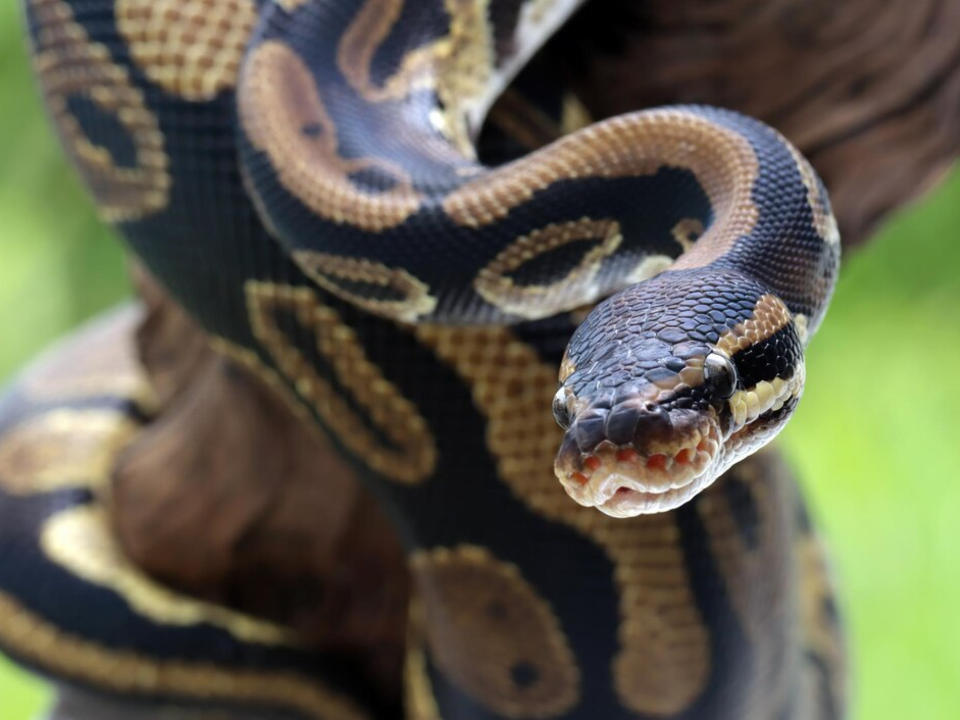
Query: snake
555	349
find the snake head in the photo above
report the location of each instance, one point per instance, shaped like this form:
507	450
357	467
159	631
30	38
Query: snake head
663	388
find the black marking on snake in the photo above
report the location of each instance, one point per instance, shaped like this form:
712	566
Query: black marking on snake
524	674
773	357
504	15
312	130
373	180
104	130
294	331
540	84
553	265
743	506
427	14
731	654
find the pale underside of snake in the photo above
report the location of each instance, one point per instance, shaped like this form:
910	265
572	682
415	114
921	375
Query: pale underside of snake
302	175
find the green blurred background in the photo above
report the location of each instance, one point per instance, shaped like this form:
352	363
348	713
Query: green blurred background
876	441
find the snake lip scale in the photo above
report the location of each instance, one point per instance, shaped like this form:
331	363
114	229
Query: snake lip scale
623	481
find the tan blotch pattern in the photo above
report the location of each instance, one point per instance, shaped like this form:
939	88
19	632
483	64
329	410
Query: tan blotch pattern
284	116
486	625
325	270
70	657
664	657
62	448
629	146
758	581
457	66
79	540
190	48
70	65
579	286
412	455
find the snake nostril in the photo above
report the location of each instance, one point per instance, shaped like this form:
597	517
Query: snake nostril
651	407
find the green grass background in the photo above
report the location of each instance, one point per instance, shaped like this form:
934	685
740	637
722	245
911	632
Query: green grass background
876	440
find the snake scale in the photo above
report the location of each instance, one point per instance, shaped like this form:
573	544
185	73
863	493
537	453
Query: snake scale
305	177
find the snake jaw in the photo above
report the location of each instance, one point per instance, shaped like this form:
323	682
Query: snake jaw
624	481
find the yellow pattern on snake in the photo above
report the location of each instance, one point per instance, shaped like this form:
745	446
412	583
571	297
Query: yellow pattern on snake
62	448
310	180
75	70
192	48
414	456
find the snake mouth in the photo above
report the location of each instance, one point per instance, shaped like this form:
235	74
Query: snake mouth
623	481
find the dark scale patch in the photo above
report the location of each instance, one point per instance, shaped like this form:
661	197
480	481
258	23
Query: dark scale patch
777	356
504	16
743	505
103	130
524	675
548	337
312	130
373	180
543	89
553	265
431	22
696	398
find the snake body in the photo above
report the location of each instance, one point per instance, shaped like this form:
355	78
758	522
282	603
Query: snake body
303	176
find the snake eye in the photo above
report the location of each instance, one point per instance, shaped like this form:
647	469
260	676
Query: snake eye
560	411
720	374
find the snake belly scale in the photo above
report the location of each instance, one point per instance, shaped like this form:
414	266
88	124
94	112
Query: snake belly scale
304	177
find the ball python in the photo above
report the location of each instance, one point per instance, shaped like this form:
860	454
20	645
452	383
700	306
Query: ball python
304	176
